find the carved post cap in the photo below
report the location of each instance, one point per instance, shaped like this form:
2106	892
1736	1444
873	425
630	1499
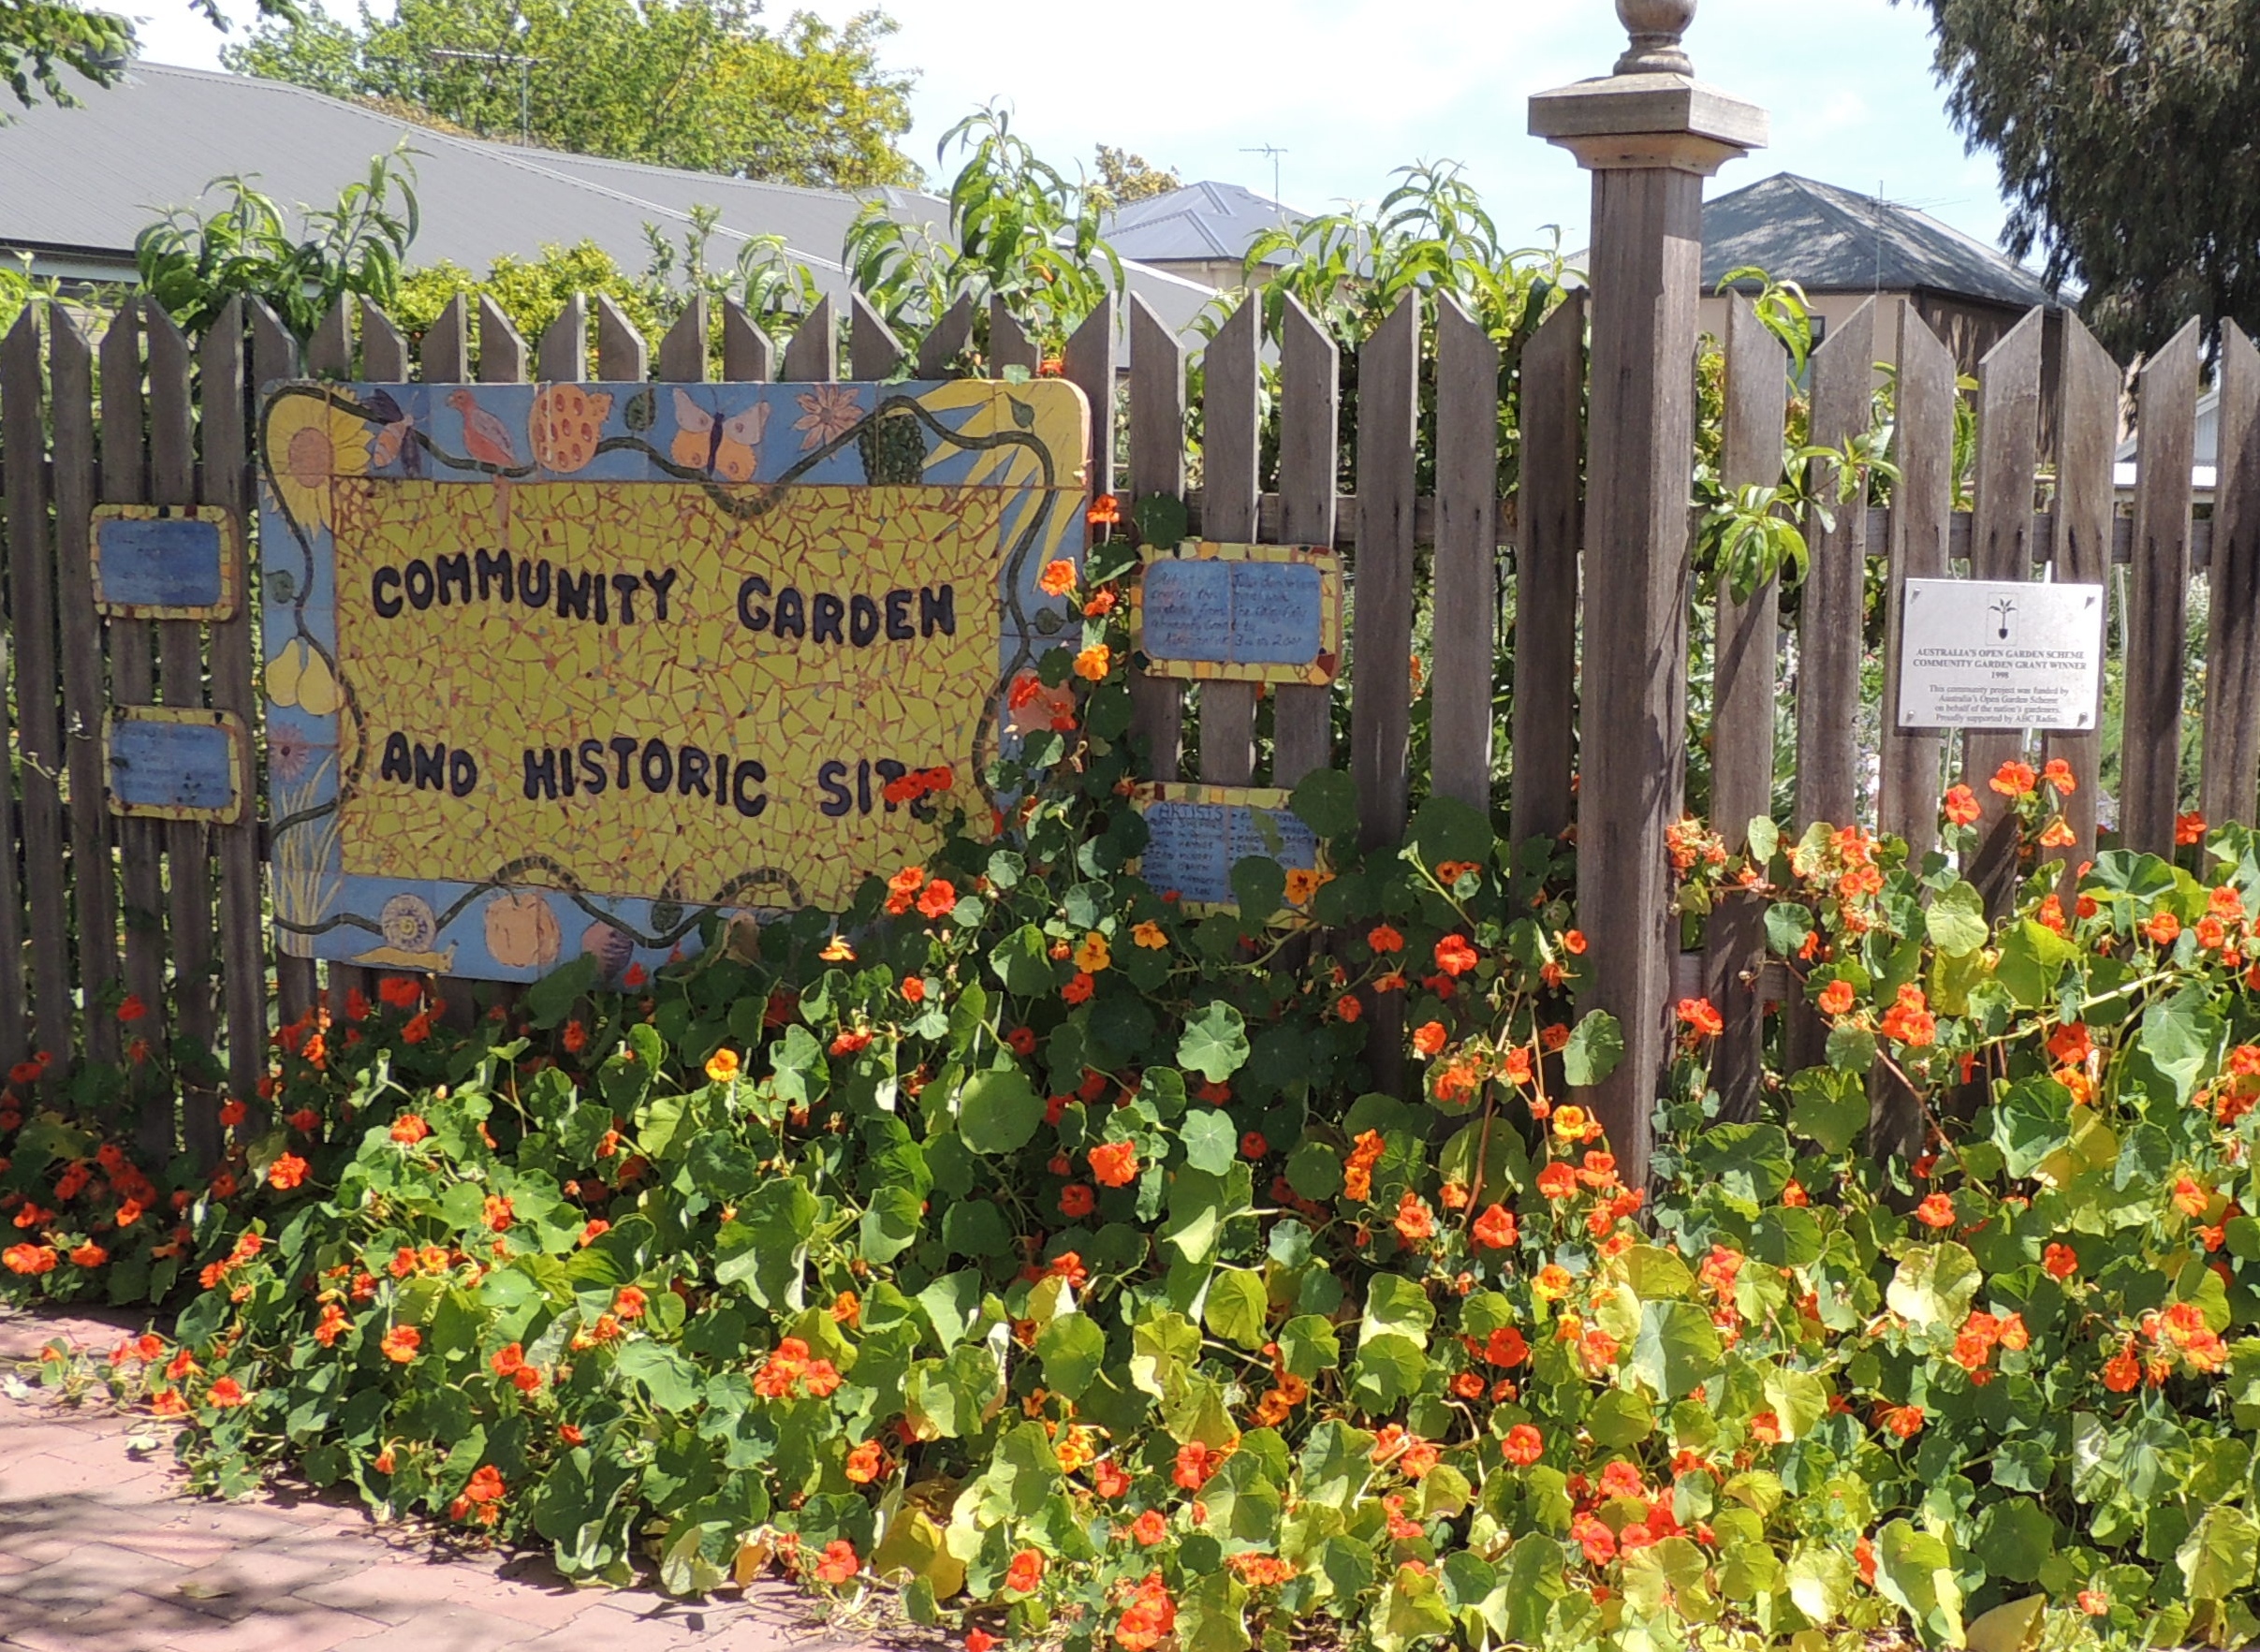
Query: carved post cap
1655	27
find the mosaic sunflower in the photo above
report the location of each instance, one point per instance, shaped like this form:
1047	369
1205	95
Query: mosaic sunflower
308	441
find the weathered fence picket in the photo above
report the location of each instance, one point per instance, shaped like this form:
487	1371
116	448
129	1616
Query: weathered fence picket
1746	663
2232	665
2157	611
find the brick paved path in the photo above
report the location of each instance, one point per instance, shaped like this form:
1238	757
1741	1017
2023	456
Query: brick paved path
101	1552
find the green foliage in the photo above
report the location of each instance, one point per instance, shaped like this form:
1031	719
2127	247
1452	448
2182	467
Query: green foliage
692	83
192	263
1128	177
2107	119
1019	231
1065	1292
39	40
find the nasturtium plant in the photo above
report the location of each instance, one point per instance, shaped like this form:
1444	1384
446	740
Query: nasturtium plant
1093	1274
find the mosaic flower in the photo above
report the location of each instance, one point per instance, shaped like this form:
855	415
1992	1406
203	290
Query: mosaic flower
309	442
288	752
828	412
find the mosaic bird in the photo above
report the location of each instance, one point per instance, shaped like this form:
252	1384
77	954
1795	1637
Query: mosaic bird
484	437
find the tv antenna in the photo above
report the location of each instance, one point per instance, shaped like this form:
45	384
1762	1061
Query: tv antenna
1273	151
524	67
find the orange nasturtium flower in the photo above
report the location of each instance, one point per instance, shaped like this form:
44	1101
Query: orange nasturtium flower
722	1066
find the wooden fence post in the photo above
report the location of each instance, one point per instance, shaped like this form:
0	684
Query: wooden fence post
1650	135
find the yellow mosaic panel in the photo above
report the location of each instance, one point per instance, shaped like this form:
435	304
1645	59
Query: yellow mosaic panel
554	716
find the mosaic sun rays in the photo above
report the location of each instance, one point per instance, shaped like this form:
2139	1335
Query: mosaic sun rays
561	669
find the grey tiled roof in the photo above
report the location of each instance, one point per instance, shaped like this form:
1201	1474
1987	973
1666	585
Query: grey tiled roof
1832	240
80	184
1201	223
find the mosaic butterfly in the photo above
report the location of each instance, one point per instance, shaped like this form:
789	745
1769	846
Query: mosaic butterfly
723	447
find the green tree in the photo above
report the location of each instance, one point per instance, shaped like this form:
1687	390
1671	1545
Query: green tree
1128	177
2128	138
690	84
40	38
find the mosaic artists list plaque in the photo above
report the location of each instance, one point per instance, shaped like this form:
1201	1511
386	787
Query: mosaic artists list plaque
1994	655
1247	613
562	670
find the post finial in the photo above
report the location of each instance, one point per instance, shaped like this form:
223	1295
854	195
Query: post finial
1655	27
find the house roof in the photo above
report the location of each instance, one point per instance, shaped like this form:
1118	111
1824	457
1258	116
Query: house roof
1832	240
1202	223
81	182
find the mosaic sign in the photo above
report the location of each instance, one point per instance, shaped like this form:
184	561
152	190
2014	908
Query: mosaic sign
163	562
562	670
177	764
1999	654
1239	613
1197	834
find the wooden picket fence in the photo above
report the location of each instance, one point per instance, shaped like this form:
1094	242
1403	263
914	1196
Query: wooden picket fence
170	913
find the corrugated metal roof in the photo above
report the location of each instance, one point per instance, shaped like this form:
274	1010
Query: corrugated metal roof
1832	240
1201	223
86	181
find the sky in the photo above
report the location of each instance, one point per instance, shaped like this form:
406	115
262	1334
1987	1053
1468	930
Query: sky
1349	89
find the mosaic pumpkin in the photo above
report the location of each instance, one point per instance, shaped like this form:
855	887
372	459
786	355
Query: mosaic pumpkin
567	424
521	931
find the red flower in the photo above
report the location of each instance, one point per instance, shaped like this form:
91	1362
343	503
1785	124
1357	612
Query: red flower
1026	1571
1836	998
1936	1211
981	1640
938	899
1961	805
409	1129
287	1172
1079	988
839	1563
1253	1144
1699	1015
226	1394
1149	1529
1494	1229
2189	828
2012	779
1115	1164
1347	1007
132	1009
1523	1445
1557	1180
1077	1201
1455	957
2061	1262
1383	938
1427	1038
